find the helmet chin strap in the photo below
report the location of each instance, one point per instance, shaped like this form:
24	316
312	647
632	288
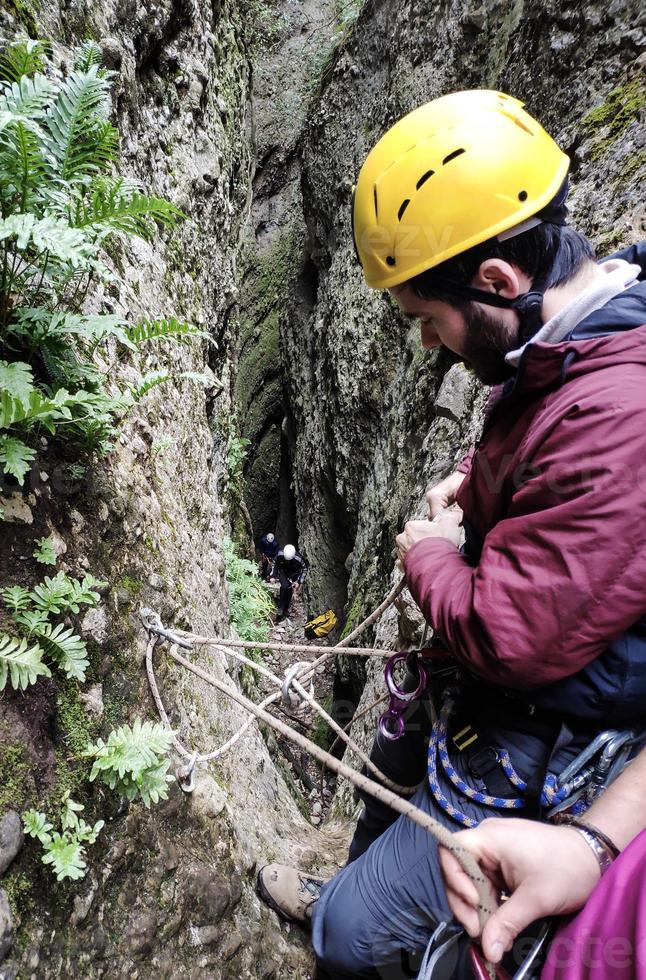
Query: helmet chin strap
529	305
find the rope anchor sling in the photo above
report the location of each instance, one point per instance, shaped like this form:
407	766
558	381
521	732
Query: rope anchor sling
387	793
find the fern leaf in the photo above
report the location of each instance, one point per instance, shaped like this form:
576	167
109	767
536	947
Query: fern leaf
15	597
82	106
65	854
20	663
22	58
36	825
87	56
17	380
48	234
52	593
148	382
82	592
28	96
31	619
161	329
118	205
129	751
67	649
44	552
153	783
15	457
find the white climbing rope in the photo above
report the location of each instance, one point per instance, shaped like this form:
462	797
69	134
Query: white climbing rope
437	830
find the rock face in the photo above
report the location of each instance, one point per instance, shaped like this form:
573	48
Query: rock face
169	891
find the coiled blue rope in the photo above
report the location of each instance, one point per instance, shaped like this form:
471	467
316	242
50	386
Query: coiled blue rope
551	795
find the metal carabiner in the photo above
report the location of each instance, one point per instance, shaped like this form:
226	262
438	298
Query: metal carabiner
392	718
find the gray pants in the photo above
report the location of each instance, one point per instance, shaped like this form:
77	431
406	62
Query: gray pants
375	917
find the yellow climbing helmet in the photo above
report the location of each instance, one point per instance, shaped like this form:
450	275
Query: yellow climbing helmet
450	175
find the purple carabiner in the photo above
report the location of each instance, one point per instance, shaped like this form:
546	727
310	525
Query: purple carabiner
399	700
393	689
394	717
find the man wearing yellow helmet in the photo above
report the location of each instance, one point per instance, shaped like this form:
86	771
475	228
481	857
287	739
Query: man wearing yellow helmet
459	211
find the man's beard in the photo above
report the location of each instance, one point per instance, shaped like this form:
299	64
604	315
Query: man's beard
487	342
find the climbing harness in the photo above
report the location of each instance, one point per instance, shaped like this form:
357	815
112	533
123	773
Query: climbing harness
558	792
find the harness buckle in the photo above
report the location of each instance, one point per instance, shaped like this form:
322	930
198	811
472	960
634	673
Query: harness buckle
483	762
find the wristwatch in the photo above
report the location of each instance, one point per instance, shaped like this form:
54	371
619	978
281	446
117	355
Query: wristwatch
601	846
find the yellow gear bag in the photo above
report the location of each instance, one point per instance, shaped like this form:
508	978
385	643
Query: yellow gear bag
321	626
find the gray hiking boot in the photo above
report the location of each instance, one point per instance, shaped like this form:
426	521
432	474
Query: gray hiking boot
289	892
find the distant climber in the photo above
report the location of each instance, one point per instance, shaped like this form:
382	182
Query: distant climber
269	547
460	213
290	568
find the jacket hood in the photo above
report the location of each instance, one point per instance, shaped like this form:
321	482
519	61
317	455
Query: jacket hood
613	334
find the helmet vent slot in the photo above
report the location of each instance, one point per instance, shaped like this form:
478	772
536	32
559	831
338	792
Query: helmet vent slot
404	205
424	178
375	197
452	156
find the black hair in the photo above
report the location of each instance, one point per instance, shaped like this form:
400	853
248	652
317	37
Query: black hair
549	254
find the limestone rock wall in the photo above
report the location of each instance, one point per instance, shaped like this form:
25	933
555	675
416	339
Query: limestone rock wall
170	891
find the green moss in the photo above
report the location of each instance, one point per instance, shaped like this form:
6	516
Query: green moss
19	888
16	788
75	726
605	124
634	164
131	585
24	11
321	733
353	615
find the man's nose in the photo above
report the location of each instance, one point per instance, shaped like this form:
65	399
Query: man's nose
430	339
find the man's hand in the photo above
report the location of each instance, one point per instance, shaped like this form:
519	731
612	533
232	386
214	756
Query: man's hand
445	525
442	495
548	870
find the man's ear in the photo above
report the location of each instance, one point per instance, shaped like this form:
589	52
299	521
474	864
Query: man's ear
498	276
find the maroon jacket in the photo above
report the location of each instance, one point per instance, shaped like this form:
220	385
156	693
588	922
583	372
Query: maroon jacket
553	583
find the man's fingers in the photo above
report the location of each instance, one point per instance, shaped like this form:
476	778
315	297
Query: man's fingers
509	920
456	879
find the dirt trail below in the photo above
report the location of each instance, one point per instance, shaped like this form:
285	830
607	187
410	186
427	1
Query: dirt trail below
314	787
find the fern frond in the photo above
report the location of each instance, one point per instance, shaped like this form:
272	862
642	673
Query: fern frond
15	598
17	381
44	552
67	649
48	234
77	124
153	783
87	56
16	457
22	58
28	95
22	166
116	205
161	329
31	619
129	751
51	594
82	593
149	381
20	663
36	825
65	854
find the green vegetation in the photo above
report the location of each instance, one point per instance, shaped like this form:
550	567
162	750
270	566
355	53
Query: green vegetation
21	657
63	849
133	761
44	552
250	601
605	124
62	205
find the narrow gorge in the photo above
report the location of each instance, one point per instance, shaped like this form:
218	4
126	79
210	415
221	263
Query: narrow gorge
304	404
